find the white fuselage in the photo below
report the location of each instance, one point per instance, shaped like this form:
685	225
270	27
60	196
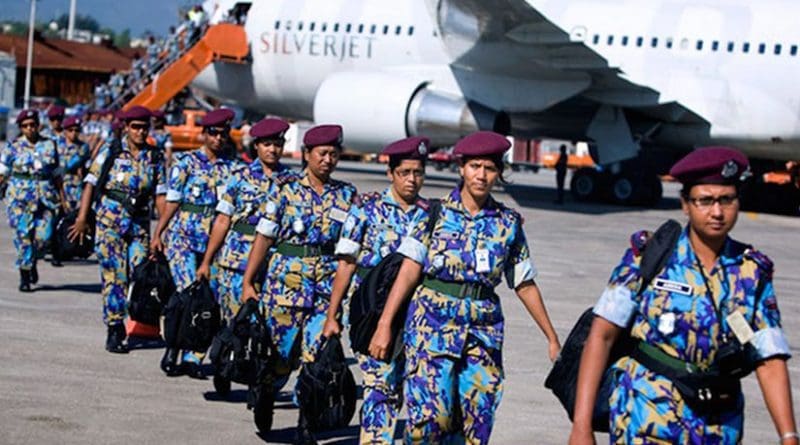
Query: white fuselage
733	62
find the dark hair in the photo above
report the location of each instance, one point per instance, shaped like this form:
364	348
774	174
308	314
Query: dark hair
686	190
253	150
395	161
497	160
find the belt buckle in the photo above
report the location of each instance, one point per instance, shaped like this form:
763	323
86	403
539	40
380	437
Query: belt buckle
467	290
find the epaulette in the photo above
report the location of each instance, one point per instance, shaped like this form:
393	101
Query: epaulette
511	212
281	180
764	263
423	203
369	196
639	240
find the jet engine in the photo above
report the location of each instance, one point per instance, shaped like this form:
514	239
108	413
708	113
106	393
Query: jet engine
376	108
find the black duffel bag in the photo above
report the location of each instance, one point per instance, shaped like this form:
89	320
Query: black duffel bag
563	377
62	248
150	288
192	318
326	389
237	347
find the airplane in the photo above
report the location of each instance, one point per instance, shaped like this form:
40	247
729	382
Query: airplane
643	81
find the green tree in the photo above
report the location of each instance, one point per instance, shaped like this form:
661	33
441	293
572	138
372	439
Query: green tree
86	22
123	39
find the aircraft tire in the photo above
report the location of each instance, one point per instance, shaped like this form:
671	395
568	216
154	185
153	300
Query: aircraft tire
584	184
625	190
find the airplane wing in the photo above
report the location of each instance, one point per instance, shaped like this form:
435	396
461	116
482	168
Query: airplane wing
530	63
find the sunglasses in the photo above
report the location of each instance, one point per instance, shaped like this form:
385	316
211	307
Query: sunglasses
212	131
139	127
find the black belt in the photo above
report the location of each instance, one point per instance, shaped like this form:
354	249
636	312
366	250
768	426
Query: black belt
206	210
363	271
132	204
244	228
475	291
28	176
302	250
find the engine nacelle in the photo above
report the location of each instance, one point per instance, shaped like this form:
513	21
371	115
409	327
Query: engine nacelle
376	108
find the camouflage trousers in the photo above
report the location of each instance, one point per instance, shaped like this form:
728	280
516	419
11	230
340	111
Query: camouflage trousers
453	400
383	384
226	283
296	333
73	187
118	254
33	230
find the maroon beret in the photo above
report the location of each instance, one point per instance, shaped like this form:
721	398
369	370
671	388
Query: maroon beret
712	165
55	111
135	113
27	114
482	143
72	121
409	148
323	135
220	117
116	124
269	128
158	114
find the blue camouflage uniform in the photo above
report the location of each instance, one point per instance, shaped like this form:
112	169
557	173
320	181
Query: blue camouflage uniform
676	314
32	195
373	229
243	201
453	344
305	226
162	139
73	156
196	183
122	232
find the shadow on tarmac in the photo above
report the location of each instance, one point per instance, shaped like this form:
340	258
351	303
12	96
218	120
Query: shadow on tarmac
533	196
344	436
86	288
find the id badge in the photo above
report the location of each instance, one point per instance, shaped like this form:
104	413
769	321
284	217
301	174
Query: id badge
37	164
120	177
338	215
741	329
220	192
298	226
196	191
482	260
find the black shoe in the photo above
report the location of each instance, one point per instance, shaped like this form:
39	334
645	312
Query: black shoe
169	362
193	370
56	263
25	280
115	342
34	275
303	436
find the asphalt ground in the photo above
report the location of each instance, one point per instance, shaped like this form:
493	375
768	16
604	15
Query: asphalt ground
58	385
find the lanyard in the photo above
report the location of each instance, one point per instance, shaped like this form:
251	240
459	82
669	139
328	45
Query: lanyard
710	296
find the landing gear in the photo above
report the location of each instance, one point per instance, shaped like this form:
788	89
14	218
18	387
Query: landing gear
626	188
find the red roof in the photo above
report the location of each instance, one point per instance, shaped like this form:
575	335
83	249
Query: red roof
59	54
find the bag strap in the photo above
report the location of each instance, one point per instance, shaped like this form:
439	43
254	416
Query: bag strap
115	150
434	212
657	251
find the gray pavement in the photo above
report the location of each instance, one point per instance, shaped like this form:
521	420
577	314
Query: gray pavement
58	385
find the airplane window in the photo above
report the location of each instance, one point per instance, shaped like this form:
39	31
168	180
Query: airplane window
335	27
669	43
761	48
777	49
793	50
699	45
745	47
385	29
299	26
361	28
730	47
624	40
324	27
684	44
311	26
372	29
411	30
639	41
610	40
348	27
398	30
288	25
654	42
596	39
714	45
277	24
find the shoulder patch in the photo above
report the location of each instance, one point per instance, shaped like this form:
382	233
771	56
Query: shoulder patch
639	240
424	204
763	261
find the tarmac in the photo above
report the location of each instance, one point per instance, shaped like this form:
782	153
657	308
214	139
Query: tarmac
58	385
